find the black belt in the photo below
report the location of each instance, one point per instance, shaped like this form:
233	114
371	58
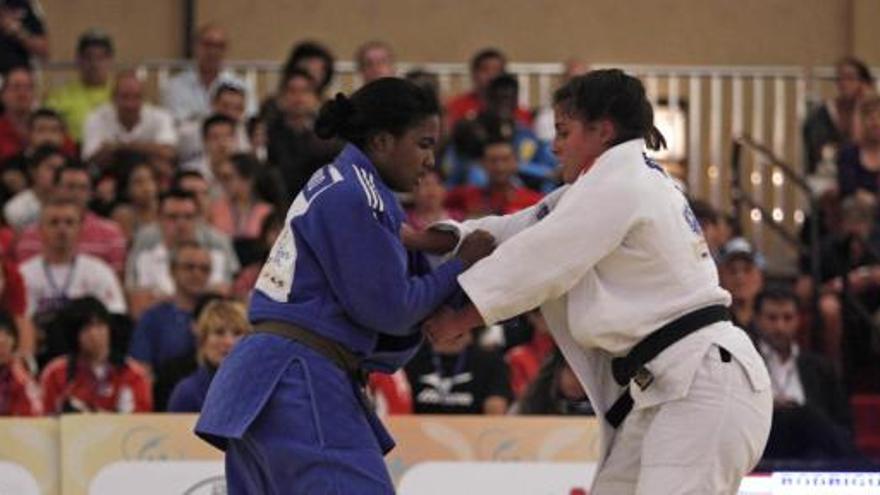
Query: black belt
338	354
632	366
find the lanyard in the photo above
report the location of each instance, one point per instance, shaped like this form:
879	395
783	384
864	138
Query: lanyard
460	362
59	293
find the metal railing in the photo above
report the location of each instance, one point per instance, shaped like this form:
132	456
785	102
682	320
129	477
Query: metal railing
742	199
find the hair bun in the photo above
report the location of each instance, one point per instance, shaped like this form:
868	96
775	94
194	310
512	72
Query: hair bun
334	117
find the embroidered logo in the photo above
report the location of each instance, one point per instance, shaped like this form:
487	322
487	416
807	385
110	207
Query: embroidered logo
652	164
692	221
543	211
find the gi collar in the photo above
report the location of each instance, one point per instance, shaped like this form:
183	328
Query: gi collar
632	147
352	155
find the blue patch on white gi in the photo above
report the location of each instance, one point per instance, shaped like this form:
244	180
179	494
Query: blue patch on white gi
692	221
652	164
543	211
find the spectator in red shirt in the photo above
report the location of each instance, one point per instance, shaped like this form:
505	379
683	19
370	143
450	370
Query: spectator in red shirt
99	237
92	378
503	194
486	65
18	97
19	393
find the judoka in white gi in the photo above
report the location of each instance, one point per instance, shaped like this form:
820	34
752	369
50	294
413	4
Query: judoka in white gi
610	258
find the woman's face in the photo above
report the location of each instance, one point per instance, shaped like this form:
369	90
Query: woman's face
219	342
410	155
848	82
94	341
142	186
577	144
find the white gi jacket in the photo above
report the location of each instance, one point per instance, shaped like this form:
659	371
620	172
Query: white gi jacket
609	259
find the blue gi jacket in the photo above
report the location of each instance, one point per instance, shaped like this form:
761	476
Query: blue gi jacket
338	268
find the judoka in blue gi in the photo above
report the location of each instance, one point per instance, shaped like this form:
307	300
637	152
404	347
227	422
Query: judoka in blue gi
339	294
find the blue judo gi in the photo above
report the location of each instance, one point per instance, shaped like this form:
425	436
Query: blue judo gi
289	419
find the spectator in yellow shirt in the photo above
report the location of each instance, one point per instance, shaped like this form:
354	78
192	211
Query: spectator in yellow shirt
75	100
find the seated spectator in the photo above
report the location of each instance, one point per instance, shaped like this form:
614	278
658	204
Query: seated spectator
19	393
148	274
227	100
128	122
218	136
98	237
850	277
486	65
503	193
740	272
24	208
811	415
429	202
239	211
833	124
555	390
375	59
22	34
187	95
219	327
18	96
206	234
294	148
93	378
45	128
195	184
60	273
77	99
524	360
536	163
137	204
858	165
163	331
458	378
316	60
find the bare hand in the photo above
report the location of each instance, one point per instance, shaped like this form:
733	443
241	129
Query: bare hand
475	247
430	241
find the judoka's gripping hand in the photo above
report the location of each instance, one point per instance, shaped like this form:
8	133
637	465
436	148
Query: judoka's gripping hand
475	247
430	241
449	325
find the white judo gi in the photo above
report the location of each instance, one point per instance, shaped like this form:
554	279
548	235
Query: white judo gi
610	259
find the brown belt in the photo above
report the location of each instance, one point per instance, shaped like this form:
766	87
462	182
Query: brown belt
330	349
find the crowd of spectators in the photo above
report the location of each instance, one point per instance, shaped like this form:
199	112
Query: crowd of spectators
132	233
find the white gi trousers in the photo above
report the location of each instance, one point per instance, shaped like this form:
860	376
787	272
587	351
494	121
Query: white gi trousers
701	444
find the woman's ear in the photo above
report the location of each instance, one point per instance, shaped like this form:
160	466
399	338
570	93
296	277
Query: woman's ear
380	144
607	132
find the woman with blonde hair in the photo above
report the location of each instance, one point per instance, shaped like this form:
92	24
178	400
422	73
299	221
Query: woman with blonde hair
219	326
